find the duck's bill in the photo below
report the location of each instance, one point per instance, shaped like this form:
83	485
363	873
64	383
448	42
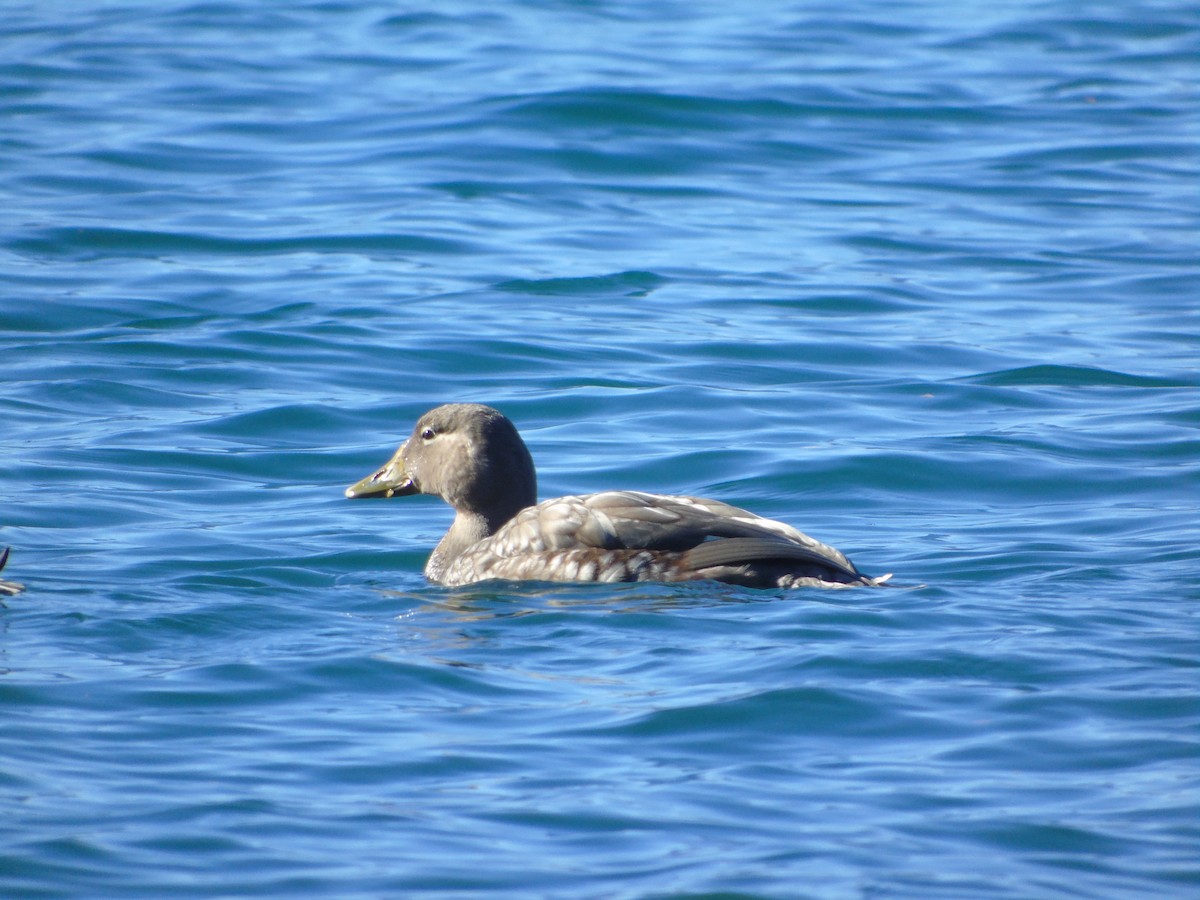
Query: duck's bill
390	481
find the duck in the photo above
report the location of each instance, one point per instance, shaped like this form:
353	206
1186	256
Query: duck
8	588
472	457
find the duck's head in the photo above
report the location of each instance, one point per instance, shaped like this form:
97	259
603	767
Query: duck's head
468	454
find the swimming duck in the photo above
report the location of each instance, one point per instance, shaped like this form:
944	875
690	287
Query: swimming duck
472	457
8	588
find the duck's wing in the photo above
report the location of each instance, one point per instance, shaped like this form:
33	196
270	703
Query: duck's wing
632	520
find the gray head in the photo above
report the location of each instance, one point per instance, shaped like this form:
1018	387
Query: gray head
468	454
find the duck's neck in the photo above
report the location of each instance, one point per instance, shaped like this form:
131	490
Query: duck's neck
469	528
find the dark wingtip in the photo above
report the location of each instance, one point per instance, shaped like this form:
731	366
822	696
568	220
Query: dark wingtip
732	551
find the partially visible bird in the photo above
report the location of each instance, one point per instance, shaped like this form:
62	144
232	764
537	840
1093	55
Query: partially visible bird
8	588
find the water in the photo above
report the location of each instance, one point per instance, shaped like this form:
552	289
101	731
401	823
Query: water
920	279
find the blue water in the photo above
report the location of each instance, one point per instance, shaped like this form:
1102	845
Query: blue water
918	278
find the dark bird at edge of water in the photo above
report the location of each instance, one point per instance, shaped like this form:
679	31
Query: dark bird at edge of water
8	588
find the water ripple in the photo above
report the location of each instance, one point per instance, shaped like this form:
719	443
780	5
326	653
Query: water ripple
922	284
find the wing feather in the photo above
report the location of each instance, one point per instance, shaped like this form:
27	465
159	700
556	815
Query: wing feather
633	520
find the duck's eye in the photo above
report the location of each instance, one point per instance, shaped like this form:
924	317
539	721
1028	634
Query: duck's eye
428	434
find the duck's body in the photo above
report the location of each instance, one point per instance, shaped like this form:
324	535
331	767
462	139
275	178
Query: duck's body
472	457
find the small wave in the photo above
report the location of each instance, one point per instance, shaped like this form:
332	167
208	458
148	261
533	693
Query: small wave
1073	376
125	241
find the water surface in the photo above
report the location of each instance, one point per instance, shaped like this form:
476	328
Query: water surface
919	279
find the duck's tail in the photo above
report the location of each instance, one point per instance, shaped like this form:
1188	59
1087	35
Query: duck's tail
762	562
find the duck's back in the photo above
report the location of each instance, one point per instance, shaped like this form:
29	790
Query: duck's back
632	536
